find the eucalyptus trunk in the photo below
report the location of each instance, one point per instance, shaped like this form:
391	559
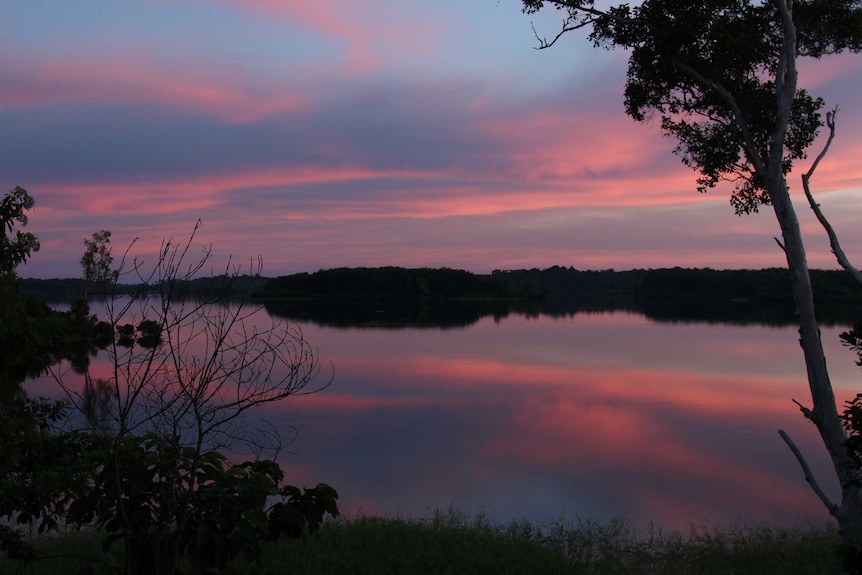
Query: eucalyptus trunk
824	412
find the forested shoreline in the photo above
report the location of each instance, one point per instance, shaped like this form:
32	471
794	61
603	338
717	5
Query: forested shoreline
448	297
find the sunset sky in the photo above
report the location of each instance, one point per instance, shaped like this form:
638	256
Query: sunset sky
367	133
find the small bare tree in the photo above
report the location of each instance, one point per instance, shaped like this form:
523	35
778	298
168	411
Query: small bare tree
185	370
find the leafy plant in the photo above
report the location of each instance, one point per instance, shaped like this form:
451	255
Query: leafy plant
184	374
163	501
151	470
41	468
852	416
16	248
851	553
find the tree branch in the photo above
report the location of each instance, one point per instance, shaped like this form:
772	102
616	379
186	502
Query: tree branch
567	27
590	15
809	477
809	415
741	123
787	58
843	261
785	85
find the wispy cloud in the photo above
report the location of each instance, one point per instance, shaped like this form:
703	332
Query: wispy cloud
119	81
369	133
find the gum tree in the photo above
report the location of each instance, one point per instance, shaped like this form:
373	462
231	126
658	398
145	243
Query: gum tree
721	77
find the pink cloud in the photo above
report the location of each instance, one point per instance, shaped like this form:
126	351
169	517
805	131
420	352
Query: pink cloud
553	143
425	194
373	37
350	403
195	192
599	155
814	74
132	79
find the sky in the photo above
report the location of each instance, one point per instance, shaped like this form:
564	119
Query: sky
368	133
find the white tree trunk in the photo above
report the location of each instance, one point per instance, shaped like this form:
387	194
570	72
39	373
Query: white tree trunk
824	413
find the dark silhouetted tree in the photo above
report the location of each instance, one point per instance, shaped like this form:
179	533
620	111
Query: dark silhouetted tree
97	259
16	246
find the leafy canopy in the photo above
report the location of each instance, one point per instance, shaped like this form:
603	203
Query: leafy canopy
708	71
15	245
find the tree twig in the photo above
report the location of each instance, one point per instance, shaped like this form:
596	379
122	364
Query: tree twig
809	477
809	415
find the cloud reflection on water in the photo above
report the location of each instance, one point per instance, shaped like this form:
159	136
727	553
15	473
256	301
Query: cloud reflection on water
596	416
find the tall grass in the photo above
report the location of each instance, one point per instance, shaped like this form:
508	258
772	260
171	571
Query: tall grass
454	542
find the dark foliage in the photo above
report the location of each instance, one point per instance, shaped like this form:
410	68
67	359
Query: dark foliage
161	499
41	468
704	70
736	296
744	295
851	555
386	283
18	245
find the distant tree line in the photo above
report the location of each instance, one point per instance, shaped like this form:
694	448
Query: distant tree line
424	295
443	297
69	289
418	284
745	295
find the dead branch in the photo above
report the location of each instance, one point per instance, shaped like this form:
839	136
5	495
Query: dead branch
843	261
809	415
809	477
567	27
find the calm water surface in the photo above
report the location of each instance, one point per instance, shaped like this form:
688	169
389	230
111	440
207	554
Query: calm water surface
594	415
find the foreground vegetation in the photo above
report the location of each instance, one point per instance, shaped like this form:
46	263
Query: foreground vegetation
453	542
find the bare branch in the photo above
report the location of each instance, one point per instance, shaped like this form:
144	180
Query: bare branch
842	258
809	477
567	27
216	358
589	15
809	415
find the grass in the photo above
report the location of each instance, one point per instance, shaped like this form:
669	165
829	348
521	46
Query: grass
452	542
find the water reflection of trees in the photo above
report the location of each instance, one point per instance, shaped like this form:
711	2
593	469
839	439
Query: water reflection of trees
392	314
454	314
